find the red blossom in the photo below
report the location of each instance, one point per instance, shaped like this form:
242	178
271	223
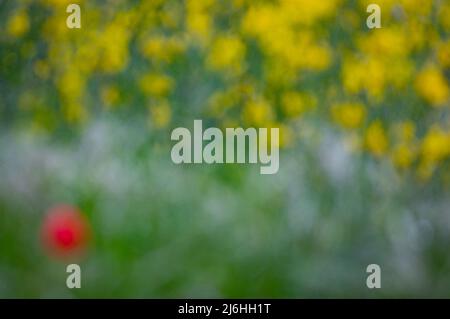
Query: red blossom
65	231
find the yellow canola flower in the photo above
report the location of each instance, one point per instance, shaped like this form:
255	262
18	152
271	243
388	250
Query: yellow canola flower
227	53
278	74
156	84
405	151
87	56
317	57
385	42
71	85
113	48
199	18
308	12
376	140
432	86
365	75
403	156
18	24
348	115
276	29
399	72
220	102
74	112
286	135
160	114
161	48
299	50
260	19
435	145
257	112
199	24
295	104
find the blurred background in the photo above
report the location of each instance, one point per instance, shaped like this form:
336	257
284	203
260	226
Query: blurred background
86	116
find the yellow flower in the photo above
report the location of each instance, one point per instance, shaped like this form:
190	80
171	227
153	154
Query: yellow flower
316	57
432	86
295	104
286	136
386	41
74	112
227	53
276	29
18	24
113	48
259	19
71	84
348	115
308	12
155	48
199	24
156	84
376	139
403	155
435	145
367	74
160	114
278	74
198	18
161	48
257	112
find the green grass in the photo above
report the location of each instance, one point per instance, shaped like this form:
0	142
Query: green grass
166	230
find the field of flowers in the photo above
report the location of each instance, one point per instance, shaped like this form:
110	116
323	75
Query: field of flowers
86	116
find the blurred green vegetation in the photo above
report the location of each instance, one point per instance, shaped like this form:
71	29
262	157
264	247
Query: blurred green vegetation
86	117
163	230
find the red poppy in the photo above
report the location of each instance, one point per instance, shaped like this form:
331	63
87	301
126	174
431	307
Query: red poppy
65	231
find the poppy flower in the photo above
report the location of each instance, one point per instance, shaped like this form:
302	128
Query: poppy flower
65	232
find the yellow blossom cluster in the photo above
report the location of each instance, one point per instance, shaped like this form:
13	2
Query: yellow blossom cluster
240	62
